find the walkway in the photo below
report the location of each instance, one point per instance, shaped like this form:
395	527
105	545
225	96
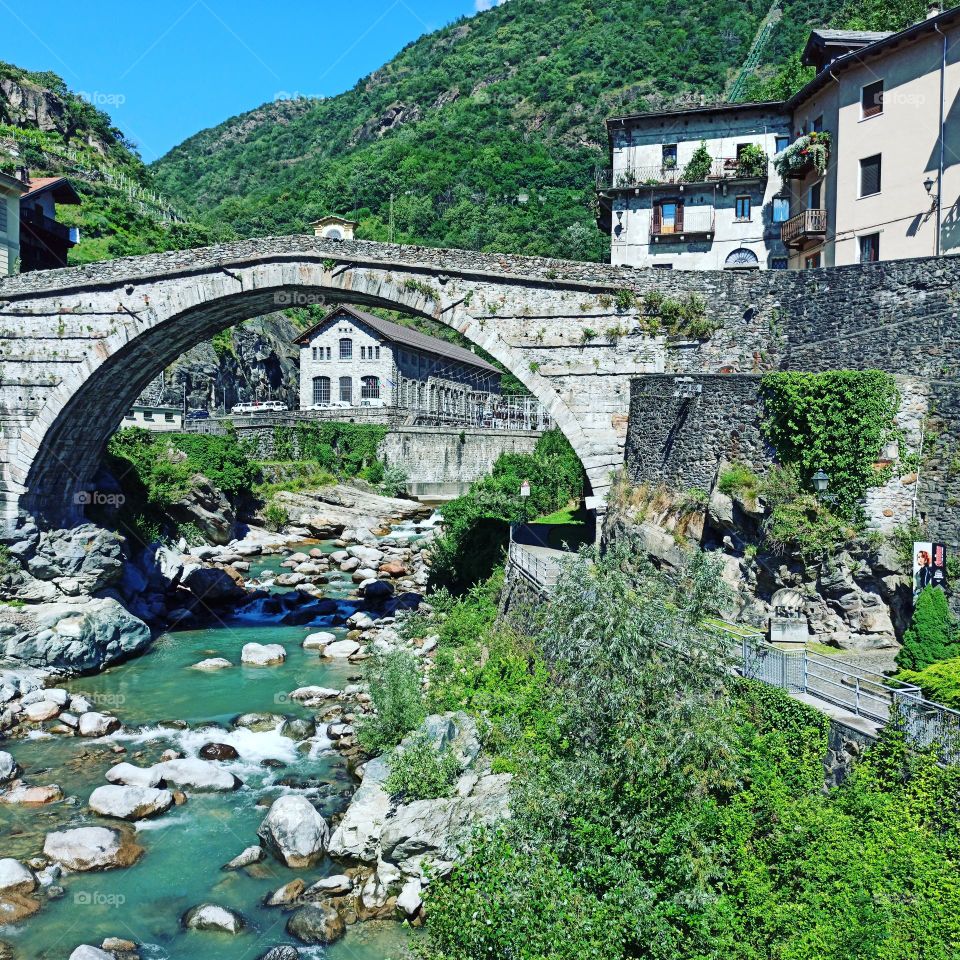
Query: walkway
849	694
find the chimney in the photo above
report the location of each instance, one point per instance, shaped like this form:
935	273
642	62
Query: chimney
24	174
933	9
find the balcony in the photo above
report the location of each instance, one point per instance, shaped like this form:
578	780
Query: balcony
43	224
690	224
724	169
806	227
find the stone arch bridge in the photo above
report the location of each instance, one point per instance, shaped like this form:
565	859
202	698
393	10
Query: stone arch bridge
78	345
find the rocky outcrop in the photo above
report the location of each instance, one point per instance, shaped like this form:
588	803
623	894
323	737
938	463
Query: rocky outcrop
130	803
211	916
407	839
206	507
77	636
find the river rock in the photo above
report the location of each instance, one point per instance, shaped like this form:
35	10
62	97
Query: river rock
15	907
298	728
206	507
286	894
130	803
92	848
218	751
9	768
211	916
133	776
56	695
330	886
317	641
294	832
410	899
368	556
195	774
94	724
357	836
360	621
245	859
38	712
212	585
378	591
281	953
212	663
313	695
15	877
348	566
262	654
259	722
89	555
86	952
316	923
118	945
341	649
77	636
27	796
364	574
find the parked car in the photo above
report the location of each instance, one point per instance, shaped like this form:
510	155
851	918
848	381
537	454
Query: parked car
318	406
244	409
198	414
275	406
341	404
372	402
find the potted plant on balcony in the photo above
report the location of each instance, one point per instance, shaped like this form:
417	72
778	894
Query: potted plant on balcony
810	150
752	161
698	169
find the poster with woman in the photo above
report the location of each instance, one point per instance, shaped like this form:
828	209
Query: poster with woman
929	566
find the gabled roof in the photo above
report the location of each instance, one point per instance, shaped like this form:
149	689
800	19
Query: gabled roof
404	336
323	221
826	45
61	187
12	183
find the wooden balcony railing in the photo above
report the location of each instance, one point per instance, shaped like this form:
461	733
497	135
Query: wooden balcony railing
809	225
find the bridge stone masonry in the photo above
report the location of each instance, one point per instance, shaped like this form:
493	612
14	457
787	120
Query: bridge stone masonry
78	345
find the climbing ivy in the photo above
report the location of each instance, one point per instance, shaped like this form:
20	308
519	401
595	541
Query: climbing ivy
837	422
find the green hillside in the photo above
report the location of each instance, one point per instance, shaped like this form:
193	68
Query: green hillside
487	132
51	131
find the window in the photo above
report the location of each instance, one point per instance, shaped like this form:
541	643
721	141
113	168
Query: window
816	196
870	176
668	217
148	415
168	417
316	350
662	266
781	143
870	248
669	155
130	416
376	353
781	209
812	262
743	208
871	99
346	348
328	353
363	353
346	389
370	388
3	217
778	263
741	258
321	390
817	125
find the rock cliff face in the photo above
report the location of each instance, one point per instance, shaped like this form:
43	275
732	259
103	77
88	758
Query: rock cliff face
255	359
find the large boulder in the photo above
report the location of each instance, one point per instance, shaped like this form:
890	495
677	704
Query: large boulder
86	952
208	509
93	724
9	769
88	555
213	585
201	776
91	848
211	916
340	650
15	877
130	803
294	832
316	923
80	636
262	654
357	836
127	773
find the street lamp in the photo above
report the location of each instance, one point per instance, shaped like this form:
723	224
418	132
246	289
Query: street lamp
820	482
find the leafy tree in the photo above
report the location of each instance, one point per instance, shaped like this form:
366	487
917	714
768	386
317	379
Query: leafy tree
394	683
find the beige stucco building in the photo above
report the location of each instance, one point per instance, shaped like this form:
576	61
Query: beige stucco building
865	163
11	189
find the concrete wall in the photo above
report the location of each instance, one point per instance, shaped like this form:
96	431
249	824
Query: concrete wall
442	462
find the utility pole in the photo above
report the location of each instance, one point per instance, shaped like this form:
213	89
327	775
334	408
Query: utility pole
391	216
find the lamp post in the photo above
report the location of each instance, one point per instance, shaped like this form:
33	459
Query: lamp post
821	481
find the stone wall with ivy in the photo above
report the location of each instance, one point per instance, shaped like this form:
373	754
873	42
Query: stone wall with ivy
938	497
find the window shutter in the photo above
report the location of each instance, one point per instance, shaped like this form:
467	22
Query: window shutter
657	218
679	226
870	176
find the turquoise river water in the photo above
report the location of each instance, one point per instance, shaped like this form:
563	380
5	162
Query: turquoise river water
186	847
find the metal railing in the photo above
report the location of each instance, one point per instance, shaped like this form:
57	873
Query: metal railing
725	168
689	220
858	690
810	223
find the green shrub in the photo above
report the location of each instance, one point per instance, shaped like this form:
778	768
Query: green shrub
698	169
422	771
9	564
932	634
394	481
394	682
940	681
738	480
276	516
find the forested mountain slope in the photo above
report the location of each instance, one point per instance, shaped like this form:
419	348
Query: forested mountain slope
487	132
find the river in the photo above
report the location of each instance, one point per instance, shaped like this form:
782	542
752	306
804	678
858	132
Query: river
155	695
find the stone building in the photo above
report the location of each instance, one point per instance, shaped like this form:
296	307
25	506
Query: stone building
44	241
352	358
863	164
695	189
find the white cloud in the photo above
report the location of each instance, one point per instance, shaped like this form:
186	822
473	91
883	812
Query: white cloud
488	4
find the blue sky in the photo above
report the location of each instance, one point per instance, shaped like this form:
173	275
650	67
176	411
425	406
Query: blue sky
165	70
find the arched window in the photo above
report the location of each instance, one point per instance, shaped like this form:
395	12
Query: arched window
346	389
741	257
370	388
321	390
346	348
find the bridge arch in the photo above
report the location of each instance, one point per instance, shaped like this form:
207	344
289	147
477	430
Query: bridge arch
137	326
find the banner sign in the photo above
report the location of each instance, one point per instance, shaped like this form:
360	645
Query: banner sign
929	566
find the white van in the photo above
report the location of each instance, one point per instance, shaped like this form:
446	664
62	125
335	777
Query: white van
274	406
244	409
373	402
